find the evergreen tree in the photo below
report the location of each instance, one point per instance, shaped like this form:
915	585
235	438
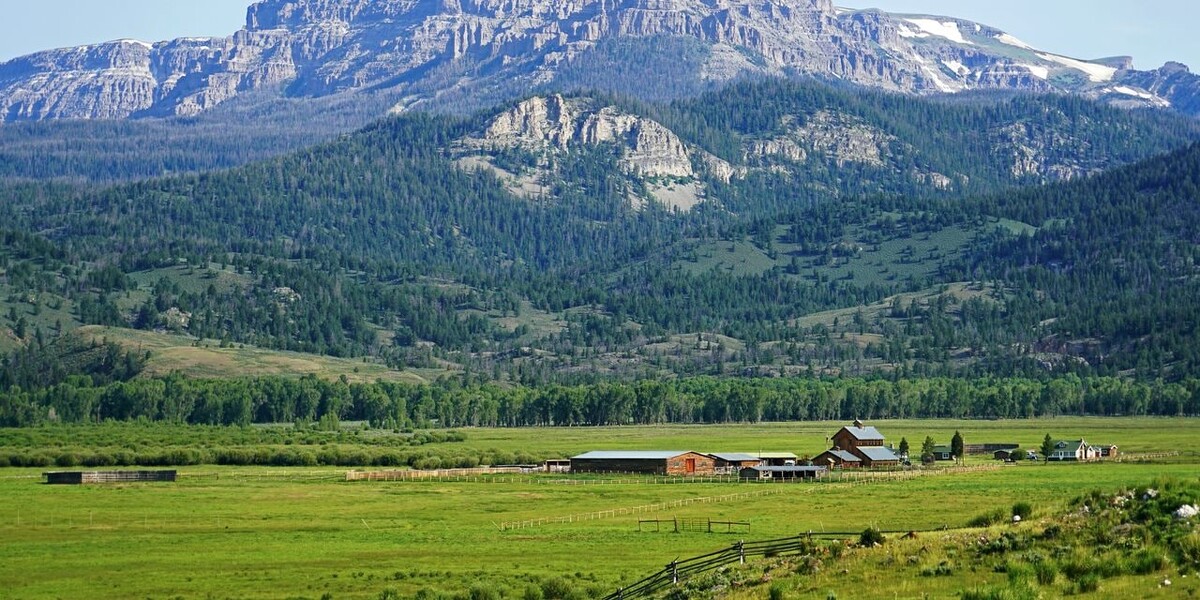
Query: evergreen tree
1047	447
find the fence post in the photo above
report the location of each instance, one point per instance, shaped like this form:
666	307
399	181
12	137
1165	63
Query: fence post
741	546
675	572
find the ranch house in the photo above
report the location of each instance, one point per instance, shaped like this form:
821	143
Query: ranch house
656	462
1071	450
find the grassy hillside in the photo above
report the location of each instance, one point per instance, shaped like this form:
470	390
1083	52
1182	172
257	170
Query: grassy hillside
208	359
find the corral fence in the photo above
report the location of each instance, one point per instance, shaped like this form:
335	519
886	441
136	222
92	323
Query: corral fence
679	571
678	525
438	474
488	475
1144	456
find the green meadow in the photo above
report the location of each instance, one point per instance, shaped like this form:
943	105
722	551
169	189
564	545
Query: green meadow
262	532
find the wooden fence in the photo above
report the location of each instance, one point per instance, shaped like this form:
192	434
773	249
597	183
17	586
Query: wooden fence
439	474
694	525
681	570
1144	456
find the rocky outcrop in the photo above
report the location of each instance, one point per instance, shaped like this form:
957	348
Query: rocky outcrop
439	52
554	122
837	137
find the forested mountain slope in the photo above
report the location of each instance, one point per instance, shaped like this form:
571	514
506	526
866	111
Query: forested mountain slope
823	231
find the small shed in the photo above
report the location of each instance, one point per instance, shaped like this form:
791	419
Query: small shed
82	477
557	465
732	462
1109	451
655	462
1004	455
943	453
837	459
783	473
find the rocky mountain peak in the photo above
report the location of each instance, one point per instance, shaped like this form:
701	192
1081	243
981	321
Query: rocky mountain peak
465	54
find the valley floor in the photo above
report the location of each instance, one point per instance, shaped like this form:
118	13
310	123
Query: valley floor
224	532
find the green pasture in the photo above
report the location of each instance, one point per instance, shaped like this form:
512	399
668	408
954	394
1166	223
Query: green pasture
223	532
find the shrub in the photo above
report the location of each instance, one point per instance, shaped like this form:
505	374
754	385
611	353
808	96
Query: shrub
1023	510
870	537
988	519
557	588
1087	584
67	459
776	592
479	592
1046	572
1147	561
532	592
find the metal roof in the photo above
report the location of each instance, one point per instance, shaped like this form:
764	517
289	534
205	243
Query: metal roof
734	456
843	455
630	454
784	455
864	433
787	469
878	453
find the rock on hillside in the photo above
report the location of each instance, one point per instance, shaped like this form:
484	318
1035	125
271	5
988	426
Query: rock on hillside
459	54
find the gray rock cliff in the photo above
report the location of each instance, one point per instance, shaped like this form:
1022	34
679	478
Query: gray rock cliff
435	51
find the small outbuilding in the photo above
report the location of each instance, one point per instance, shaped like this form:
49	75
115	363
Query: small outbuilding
733	462
837	459
1005	455
557	465
943	453
84	477
782	473
655	462
777	459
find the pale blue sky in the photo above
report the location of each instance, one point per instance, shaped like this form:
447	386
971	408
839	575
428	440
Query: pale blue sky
1152	31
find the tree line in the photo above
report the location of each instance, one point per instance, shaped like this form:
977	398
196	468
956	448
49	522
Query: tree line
309	399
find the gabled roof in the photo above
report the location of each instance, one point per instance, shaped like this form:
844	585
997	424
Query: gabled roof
735	456
783	455
878	453
843	455
630	454
1068	445
863	433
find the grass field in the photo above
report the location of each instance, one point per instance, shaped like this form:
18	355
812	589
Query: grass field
307	533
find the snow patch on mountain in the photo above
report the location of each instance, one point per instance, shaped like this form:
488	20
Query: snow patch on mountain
1005	38
1039	72
1096	73
957	67
943	29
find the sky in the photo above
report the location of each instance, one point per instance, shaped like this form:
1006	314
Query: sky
1152	31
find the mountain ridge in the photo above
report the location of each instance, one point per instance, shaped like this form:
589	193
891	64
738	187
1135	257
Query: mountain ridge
462	55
